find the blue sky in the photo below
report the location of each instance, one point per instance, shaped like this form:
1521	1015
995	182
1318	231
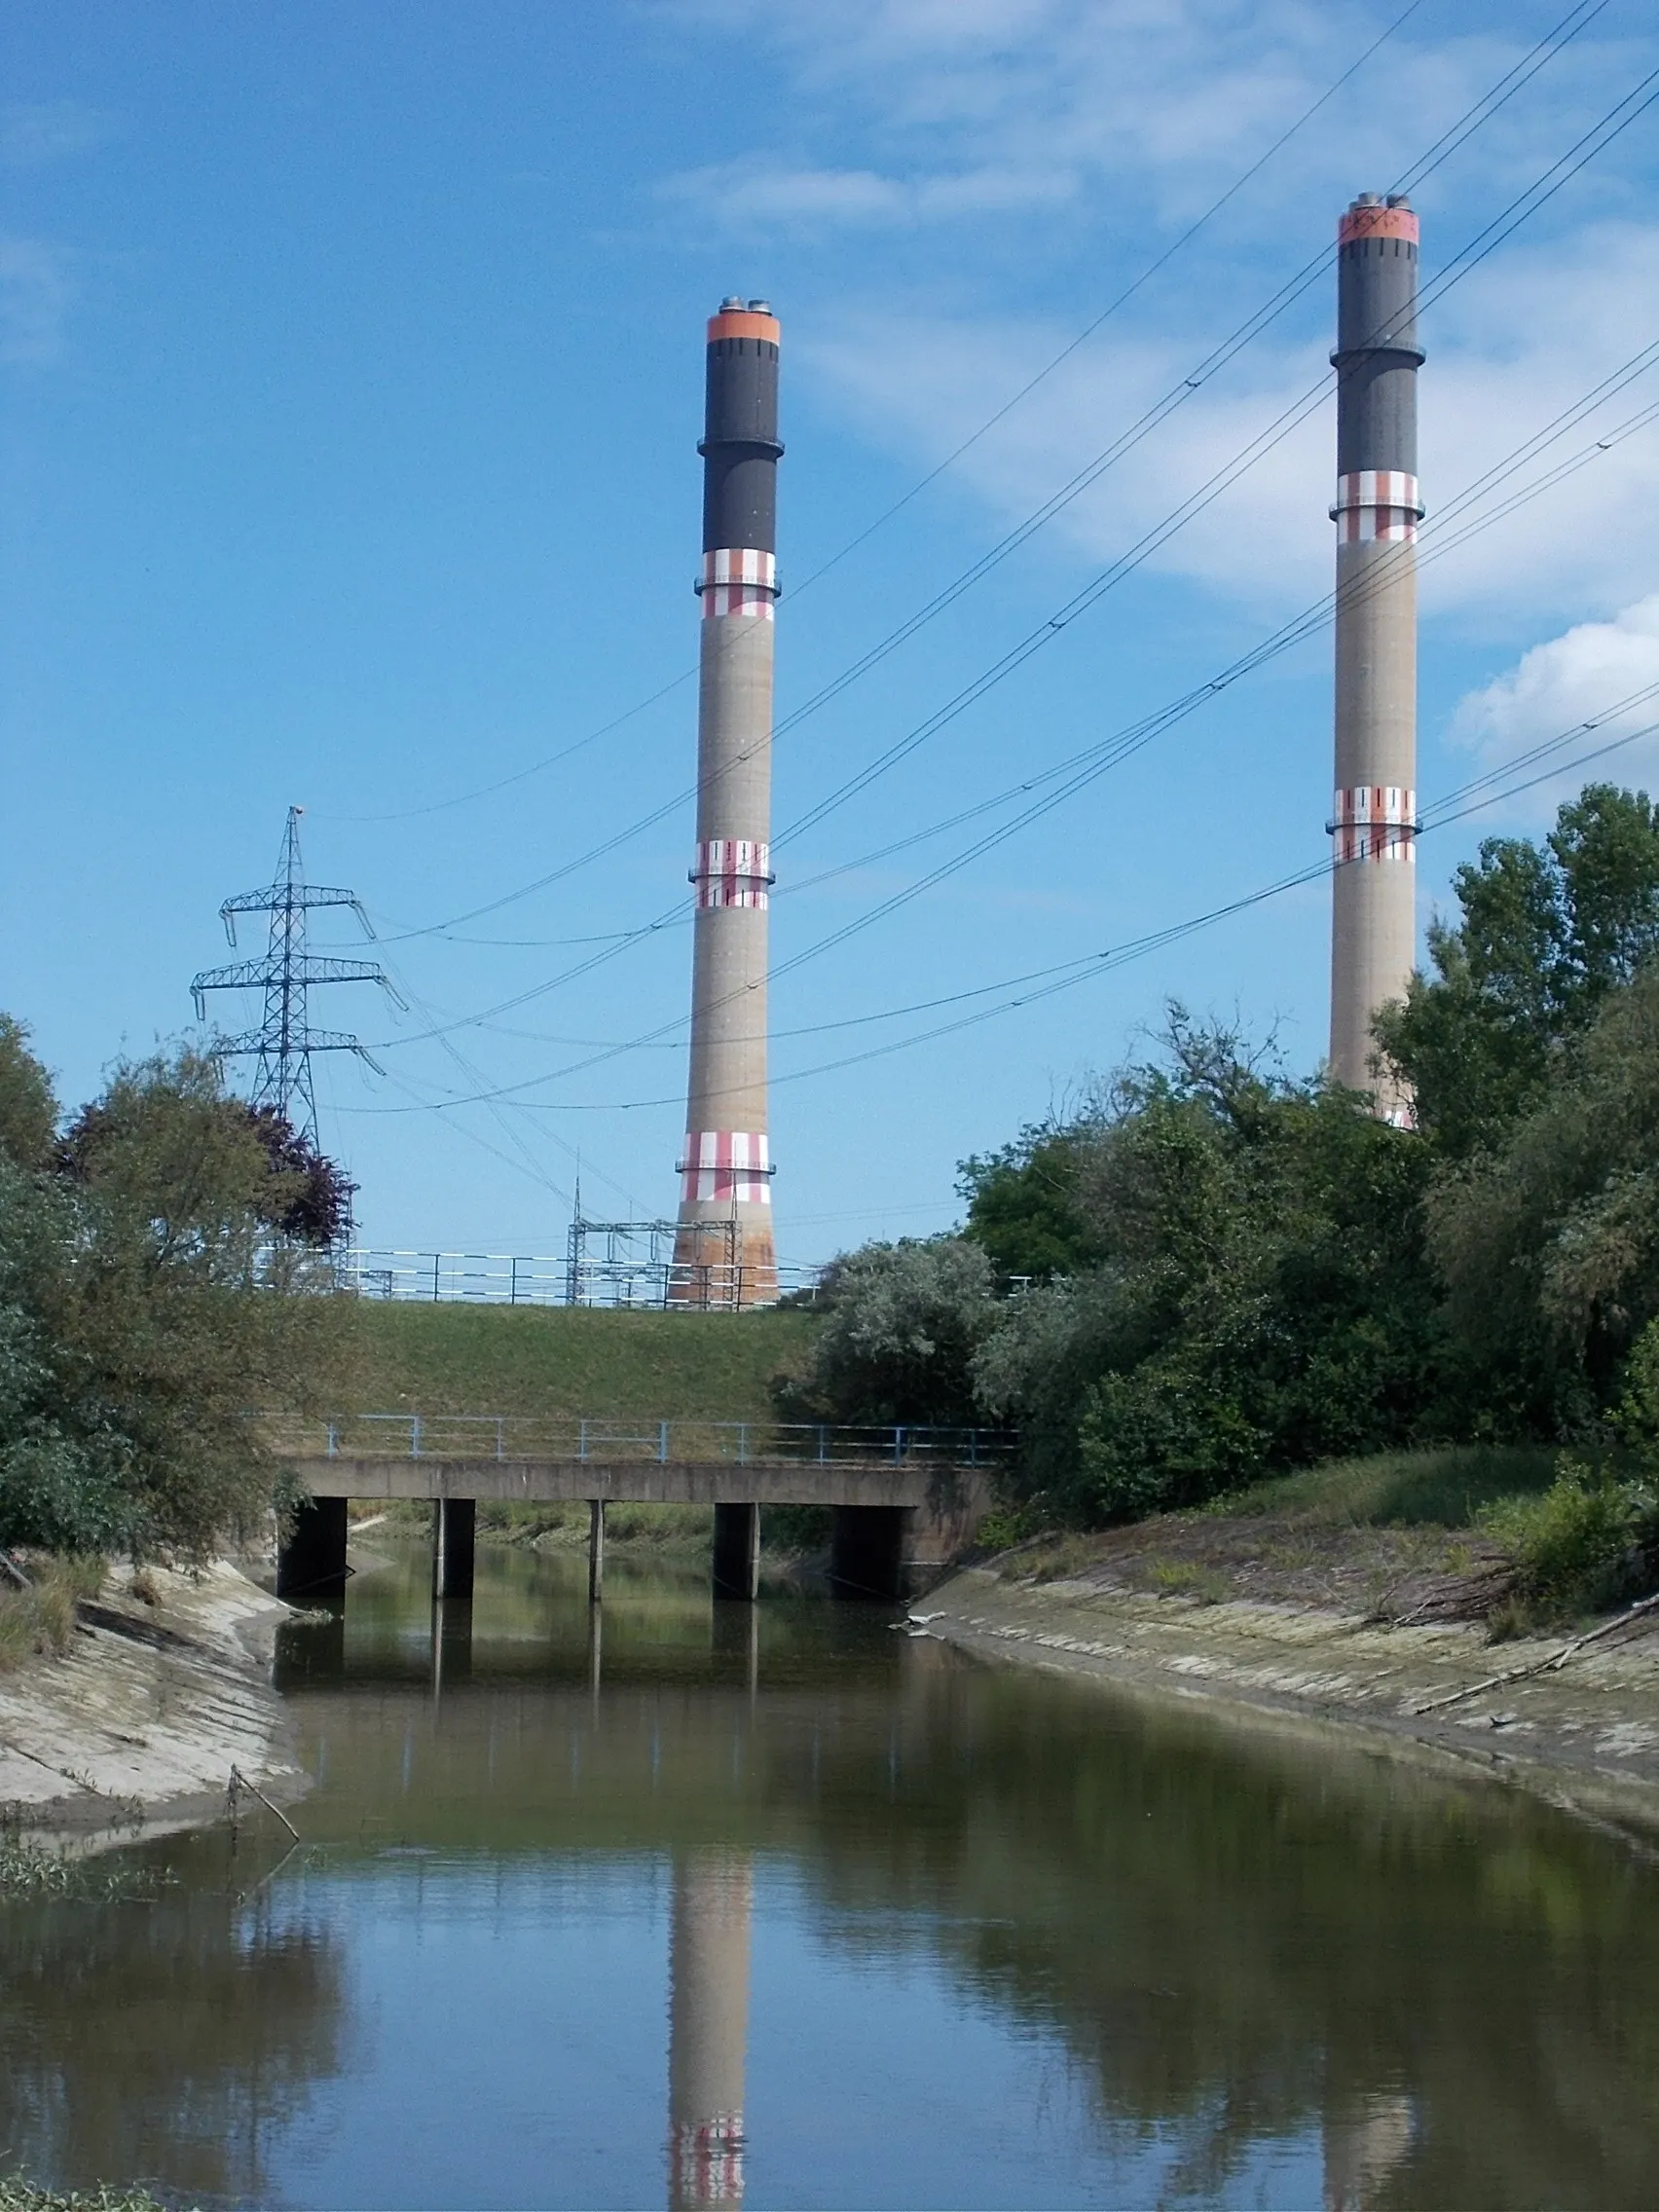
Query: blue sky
351	361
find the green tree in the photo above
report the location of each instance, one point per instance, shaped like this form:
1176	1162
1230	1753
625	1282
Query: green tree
144	1313
1548	1243
1261	1300
29	1111
1022	1202
1545	936
898	1342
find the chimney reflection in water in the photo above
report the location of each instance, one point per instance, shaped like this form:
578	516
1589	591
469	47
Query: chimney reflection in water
708	2028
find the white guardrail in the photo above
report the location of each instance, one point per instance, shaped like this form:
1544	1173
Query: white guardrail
517	1436
506	1279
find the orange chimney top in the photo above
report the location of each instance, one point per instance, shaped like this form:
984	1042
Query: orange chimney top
1377	219
744	322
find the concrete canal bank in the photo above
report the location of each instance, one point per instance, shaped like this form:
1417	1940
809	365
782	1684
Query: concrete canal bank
138	1724
1584	1734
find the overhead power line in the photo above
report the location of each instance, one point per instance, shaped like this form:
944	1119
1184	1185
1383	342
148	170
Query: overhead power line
1481	792
1584	13
1473	119
1108	751
1470	256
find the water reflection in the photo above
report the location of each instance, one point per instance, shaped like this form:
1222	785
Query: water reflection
772	1865
170	2038
708	2028
1363	2145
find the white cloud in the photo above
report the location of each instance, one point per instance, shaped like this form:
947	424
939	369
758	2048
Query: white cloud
1132	106
35	294
761	194
1570	683
1516	345
1107	126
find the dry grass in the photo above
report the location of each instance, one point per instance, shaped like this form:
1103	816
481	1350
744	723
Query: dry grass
1188	1578
40	1621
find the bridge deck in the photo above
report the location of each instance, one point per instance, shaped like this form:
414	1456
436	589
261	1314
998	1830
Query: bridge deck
934	1490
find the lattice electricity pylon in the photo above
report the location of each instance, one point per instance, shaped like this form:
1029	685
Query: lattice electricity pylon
283	1043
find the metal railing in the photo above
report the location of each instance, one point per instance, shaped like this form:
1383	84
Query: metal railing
515	1437
506	1279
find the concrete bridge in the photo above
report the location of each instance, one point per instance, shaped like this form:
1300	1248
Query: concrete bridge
903	1500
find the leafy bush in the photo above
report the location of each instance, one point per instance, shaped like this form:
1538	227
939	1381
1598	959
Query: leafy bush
897	1340
1589	1542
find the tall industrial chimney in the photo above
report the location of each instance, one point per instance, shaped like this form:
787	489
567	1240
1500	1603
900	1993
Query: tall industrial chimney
708	2015
723	1251
1374	820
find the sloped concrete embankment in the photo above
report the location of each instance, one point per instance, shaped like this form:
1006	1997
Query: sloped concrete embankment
1584	1734
137	1727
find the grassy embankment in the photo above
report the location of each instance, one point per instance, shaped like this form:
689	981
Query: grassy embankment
1435	1534
574	1363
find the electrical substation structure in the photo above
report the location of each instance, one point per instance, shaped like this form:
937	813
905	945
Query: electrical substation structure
723	1249
1374	822
632	1262
283	1045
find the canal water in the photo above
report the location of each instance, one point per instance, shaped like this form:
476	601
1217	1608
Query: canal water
778	1905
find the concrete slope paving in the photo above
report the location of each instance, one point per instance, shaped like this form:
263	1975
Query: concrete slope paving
140	1723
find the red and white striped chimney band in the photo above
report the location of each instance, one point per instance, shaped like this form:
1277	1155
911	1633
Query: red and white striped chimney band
1377	506
732	872
1373	844
726	1164
1374	802
739	579
1374	821
709	2157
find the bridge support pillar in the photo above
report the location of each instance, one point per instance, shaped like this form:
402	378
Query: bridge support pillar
737	1552
595	1549
455	1531
452	1643
311	1561
866	1551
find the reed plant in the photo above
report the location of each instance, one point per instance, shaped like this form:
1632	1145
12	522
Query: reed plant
39	1621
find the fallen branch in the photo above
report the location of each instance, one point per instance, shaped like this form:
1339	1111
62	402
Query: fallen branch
1551	1664
15	1571
240	1781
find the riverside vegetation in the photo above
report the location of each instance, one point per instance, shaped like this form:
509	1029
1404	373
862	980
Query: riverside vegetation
163	1270
157	1277
159	1274
1207	1274
1211	1272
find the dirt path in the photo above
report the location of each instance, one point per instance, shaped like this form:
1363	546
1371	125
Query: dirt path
139	1724
1587	1735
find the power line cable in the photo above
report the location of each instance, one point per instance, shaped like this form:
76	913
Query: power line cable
1587	10
1494	234
1158	939
1086	963
1474	118
1121	744
1090	761
1046	982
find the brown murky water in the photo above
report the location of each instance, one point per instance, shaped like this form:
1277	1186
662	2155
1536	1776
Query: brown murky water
781	1904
